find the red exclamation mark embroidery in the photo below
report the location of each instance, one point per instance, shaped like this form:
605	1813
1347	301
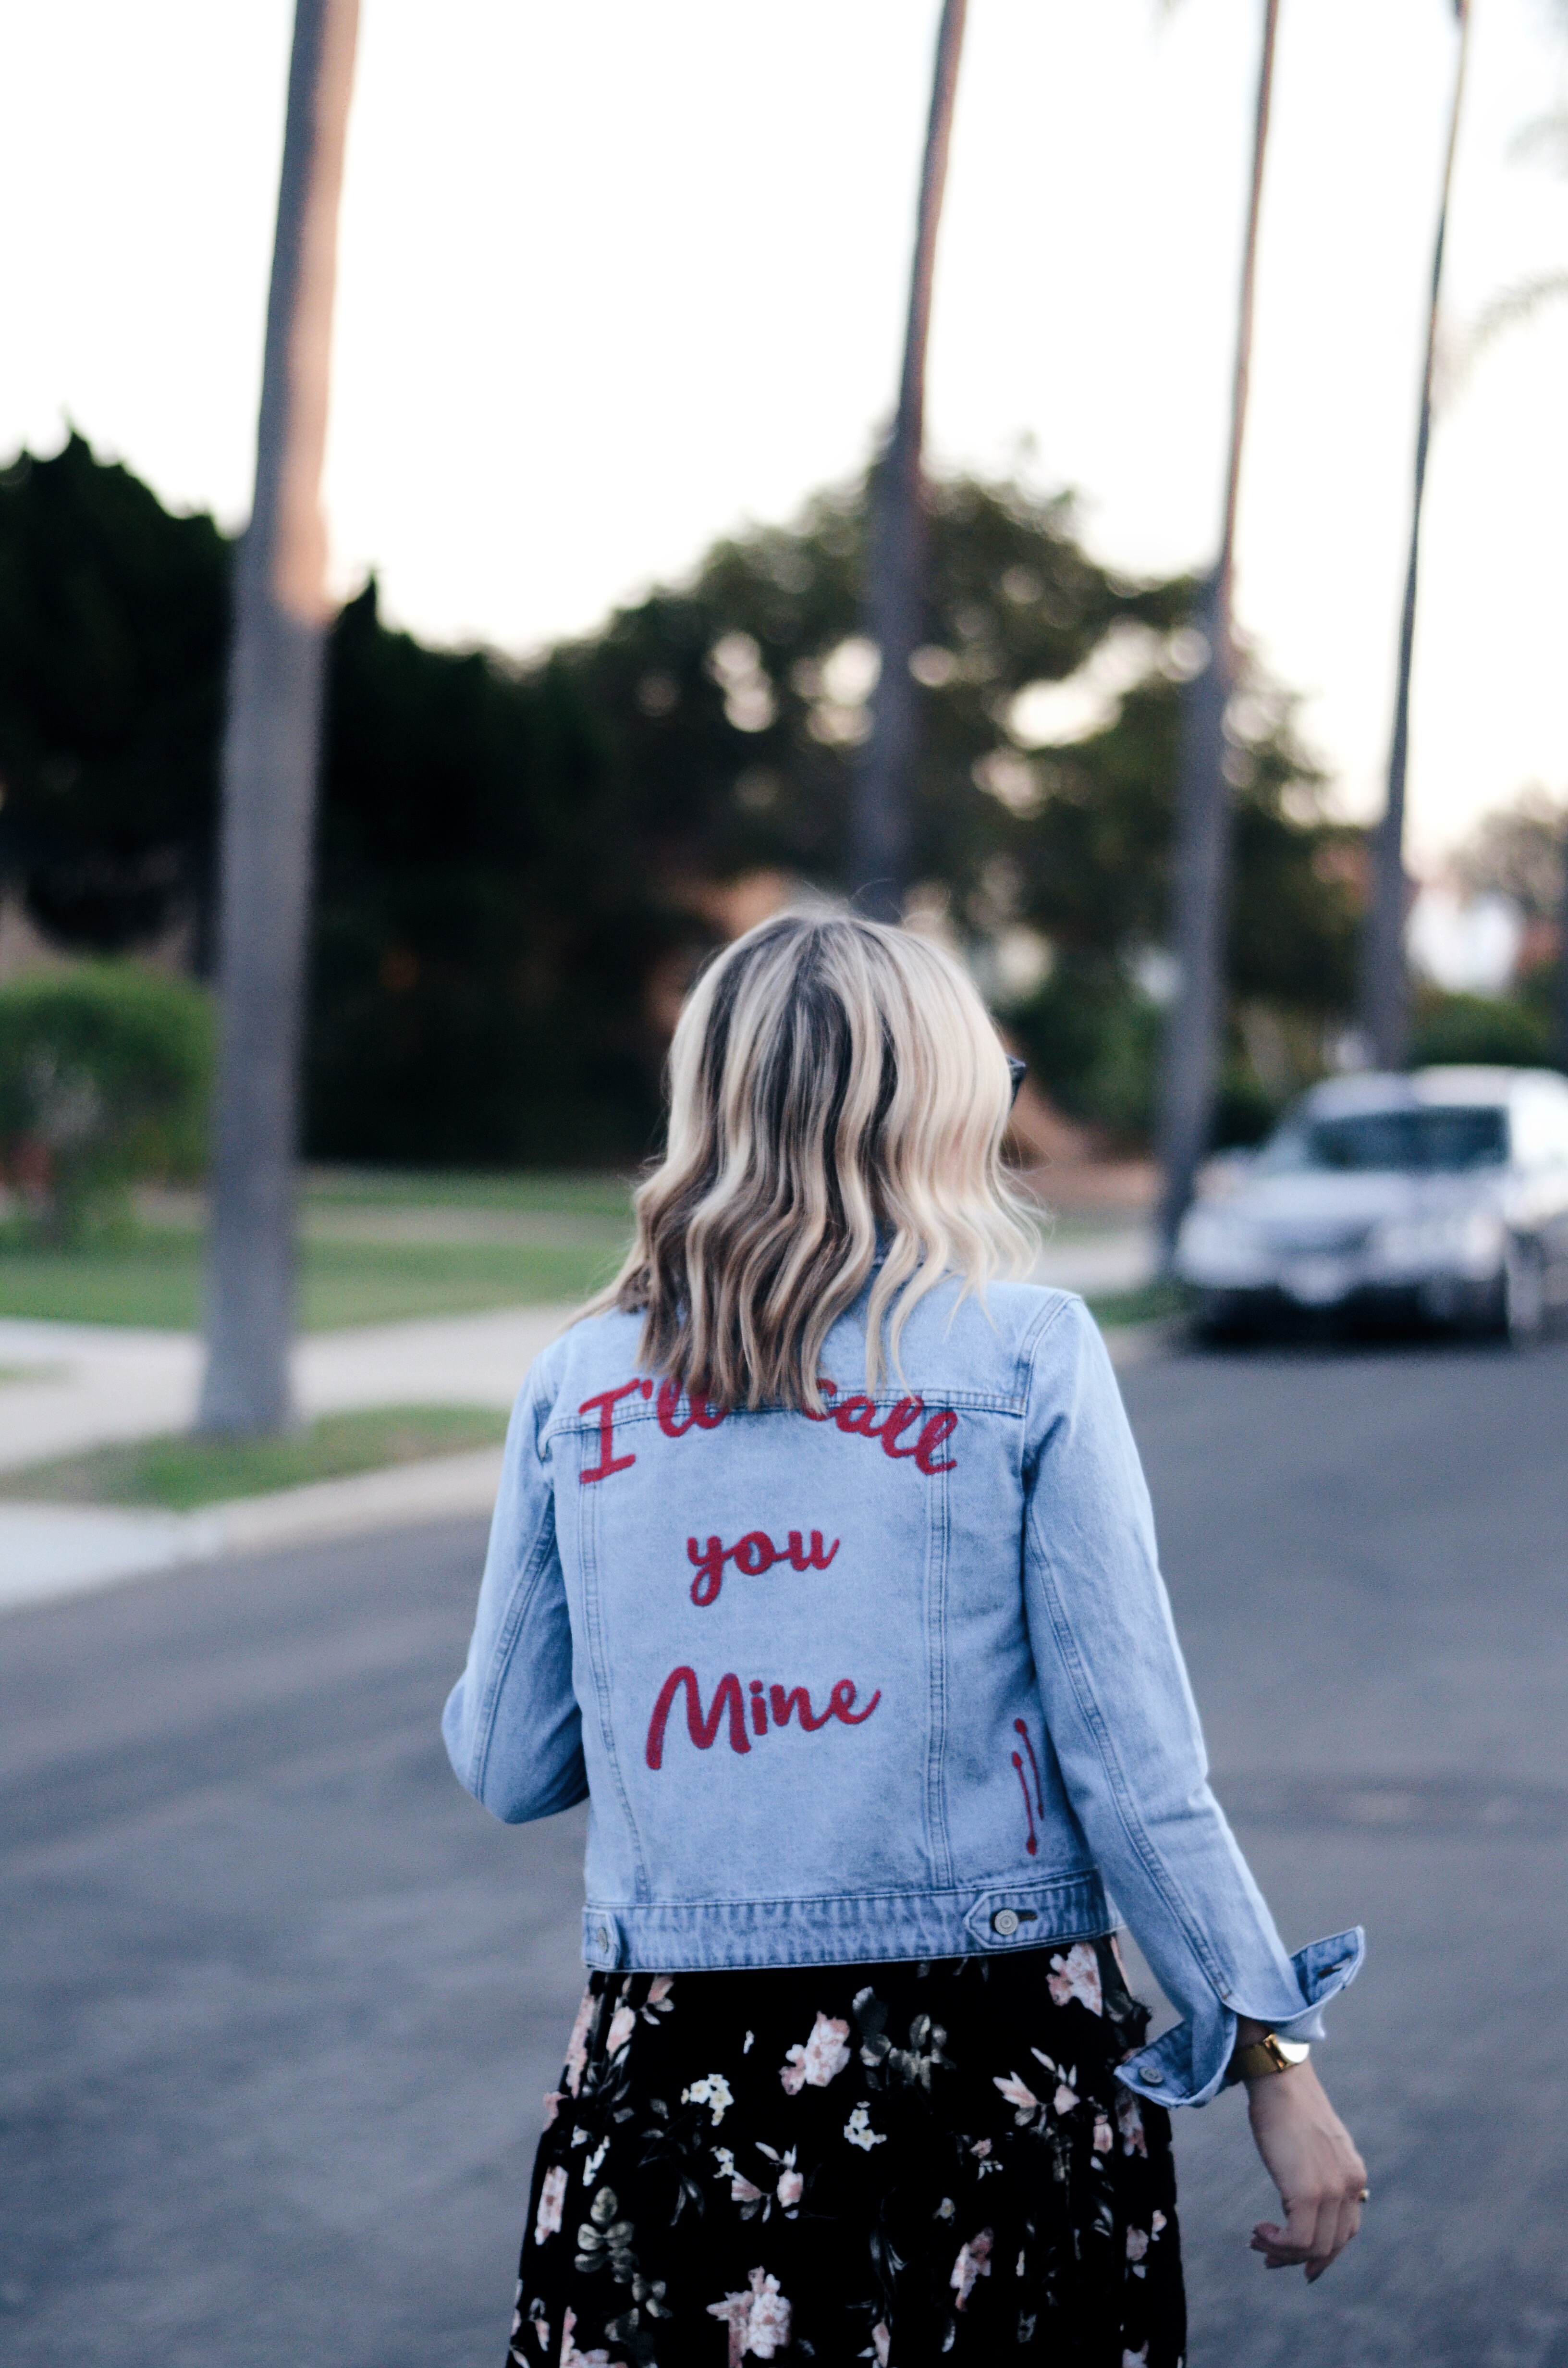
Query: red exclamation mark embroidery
1019	1728
1032	1845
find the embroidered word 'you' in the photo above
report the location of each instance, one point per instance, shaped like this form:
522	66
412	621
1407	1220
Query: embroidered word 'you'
754	1553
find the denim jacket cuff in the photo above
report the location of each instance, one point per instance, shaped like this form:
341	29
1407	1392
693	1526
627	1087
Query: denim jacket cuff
1187	2066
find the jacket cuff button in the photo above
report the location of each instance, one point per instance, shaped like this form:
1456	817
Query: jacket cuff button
1005	1921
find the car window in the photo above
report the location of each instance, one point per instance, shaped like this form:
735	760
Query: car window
1424	1142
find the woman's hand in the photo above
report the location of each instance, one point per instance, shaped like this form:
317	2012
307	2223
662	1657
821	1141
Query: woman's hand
1309	2154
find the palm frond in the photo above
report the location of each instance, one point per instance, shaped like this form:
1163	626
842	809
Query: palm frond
1546	138
1511	308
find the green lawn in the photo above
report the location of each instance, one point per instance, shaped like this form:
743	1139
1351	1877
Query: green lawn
569	1240
154	1276
380	1246
1152	1303
179	1473
555	1193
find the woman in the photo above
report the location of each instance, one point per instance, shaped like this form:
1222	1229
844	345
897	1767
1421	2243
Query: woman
823	1568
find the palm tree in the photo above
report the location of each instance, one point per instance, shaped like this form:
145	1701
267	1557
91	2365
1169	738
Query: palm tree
1511	308
1385	994
883	793
269	759
1202	851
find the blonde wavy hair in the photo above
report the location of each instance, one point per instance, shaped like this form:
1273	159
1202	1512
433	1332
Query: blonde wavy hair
837	1090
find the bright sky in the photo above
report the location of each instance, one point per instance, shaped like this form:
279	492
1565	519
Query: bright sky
616	278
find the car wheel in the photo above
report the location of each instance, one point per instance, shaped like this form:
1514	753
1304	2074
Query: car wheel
1524	1291
1218	1320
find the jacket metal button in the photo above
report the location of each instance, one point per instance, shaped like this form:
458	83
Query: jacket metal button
602	1937
1005	1921
1153	2076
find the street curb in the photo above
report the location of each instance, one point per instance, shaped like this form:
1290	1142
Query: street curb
47	1552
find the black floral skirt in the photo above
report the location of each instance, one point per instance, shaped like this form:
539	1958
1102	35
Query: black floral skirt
902	2163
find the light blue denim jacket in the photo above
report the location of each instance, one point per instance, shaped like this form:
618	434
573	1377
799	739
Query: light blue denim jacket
900	1682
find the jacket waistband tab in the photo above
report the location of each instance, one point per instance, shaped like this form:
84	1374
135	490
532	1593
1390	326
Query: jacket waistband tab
718	1936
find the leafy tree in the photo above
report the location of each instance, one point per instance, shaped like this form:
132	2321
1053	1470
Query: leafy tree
484	927
517	869
113	625
1517	851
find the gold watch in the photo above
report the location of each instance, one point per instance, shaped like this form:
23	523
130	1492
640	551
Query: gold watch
1261	2056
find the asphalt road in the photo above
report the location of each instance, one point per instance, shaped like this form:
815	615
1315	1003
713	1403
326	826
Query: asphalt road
277	2002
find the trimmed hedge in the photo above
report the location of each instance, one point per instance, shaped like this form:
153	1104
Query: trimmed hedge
105	1074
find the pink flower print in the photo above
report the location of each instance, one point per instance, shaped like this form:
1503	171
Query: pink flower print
623	2022
1016	2094
1077	1976
1065	2099
792	2187
742	2192
1130	2122
881	2342
973	2262
577	2046
1104	2138
570	2355
822	2058
658	2001
1157	2223
1137	2243
759	2321
551	2196
770	2328
981	2147
552	2105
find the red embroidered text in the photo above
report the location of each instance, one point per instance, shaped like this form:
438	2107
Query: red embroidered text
704	1727
703	1413
856	1418
754	1553
606	1404
1031	1845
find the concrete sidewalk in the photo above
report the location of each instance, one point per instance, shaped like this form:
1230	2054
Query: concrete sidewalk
50	1551
93	1385
84	1386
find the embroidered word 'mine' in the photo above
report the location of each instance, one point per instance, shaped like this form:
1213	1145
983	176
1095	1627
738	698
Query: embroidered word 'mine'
704	1727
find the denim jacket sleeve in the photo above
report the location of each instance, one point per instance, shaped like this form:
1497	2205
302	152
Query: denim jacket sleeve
512	1731
1126	1733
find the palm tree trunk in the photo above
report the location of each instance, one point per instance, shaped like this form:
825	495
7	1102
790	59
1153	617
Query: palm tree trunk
882	794
1203	849
1385	985
270	753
